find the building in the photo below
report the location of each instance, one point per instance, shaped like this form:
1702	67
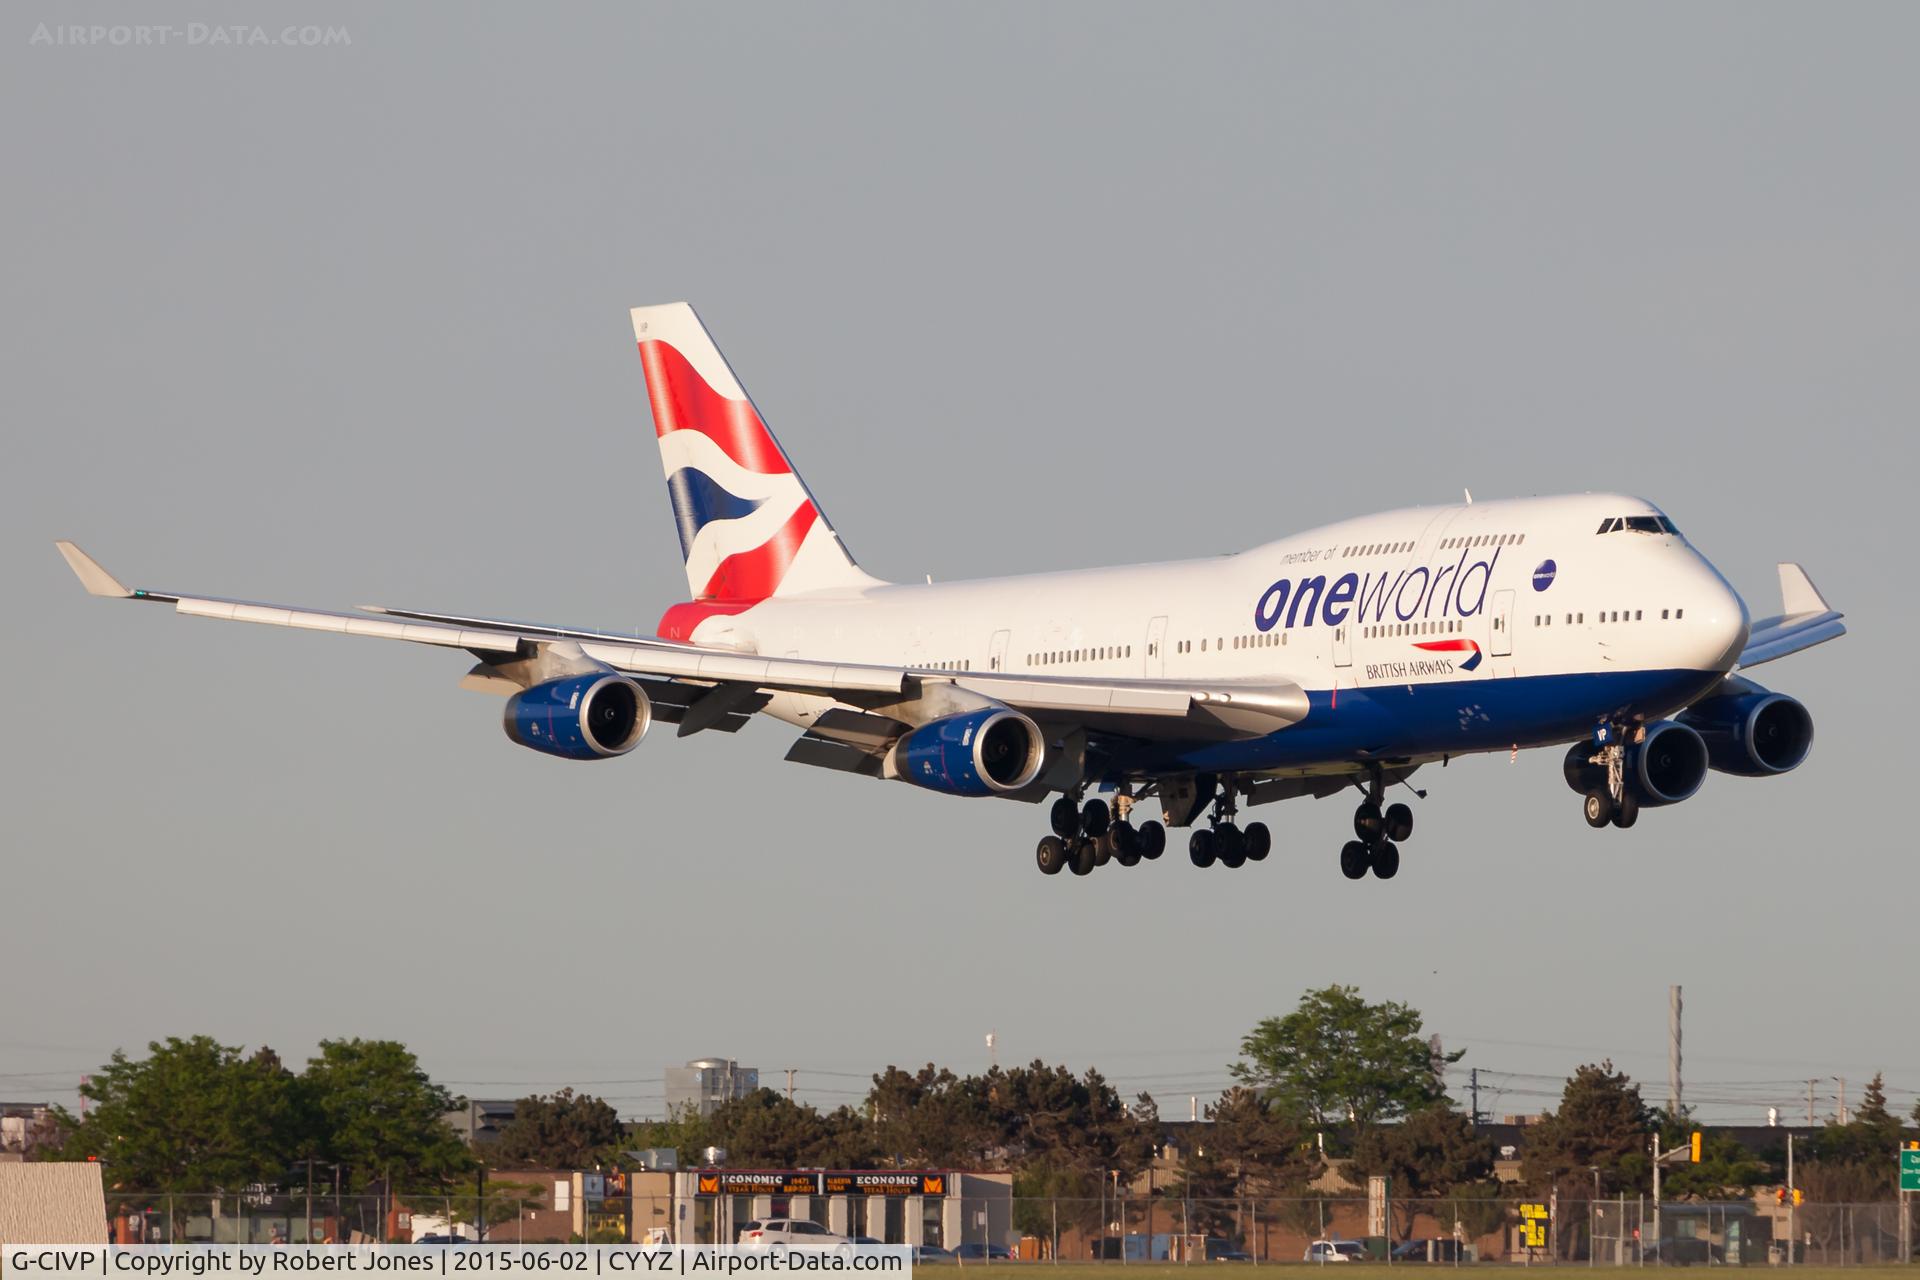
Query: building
481	1120
17	1123
892	1206
705	1083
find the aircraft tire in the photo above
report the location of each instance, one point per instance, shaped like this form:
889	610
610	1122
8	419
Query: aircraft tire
1259	842
1399	820
1368	825
1353	860
1598	808
1065	818
1051	855
1081	858
1153	840
1094	818
1384	858
1200	848
1231	846
1626	813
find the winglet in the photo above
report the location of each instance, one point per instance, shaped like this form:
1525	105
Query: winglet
95	579
1798	594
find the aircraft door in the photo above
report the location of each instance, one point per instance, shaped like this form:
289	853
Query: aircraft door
1502	637
1157	647
997	656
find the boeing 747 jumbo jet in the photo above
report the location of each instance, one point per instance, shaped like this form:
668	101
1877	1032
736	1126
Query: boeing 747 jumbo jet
1345	656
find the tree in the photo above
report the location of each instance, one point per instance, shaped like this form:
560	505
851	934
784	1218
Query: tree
766	1128
930	1118
565	1131
1428	1154
1337	1059
1601	1123
193	1115
378	1116
687	1131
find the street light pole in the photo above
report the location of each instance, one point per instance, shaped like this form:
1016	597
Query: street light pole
1593	1207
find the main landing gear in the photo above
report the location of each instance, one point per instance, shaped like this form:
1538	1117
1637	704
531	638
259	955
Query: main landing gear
1378	833
1223	842
1090	835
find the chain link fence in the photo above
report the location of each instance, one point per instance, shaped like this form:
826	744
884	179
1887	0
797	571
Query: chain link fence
1117	1229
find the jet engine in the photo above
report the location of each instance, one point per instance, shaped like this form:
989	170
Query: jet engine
980	753
1754	733
590	717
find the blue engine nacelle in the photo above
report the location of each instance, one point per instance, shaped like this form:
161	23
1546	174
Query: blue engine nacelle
981	753
592	717
1666	766
1753	733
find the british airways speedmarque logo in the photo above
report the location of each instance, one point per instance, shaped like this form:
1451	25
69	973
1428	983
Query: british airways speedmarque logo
1469	647
1543	575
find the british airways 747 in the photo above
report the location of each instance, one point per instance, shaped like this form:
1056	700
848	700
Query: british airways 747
1345	656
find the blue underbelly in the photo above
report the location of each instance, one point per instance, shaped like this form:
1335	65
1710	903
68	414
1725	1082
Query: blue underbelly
1453	717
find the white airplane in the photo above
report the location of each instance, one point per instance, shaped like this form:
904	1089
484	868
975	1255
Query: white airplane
1345	656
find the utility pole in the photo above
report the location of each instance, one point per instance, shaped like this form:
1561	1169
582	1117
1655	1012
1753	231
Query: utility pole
1791	1196
790	1071
1842	1098
1674	1095
1810	1084
1473	1083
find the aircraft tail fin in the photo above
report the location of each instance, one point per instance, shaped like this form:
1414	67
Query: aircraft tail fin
749	529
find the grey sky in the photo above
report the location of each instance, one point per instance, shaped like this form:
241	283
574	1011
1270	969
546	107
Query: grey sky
1018	287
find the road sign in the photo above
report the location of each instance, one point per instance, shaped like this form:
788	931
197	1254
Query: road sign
1910	1169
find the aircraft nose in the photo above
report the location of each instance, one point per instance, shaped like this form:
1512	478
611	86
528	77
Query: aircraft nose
1717	622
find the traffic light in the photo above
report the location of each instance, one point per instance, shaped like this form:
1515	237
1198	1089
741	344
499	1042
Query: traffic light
1694	1146
1799	1197
1779	1195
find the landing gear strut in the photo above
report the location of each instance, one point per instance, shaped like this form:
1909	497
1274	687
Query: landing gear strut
1377	834
1608	802
1091	834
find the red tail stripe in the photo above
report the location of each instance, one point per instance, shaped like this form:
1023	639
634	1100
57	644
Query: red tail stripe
756	574
678	622
682	401
1448	646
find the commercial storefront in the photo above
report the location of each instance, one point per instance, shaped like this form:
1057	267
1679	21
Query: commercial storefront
893	1206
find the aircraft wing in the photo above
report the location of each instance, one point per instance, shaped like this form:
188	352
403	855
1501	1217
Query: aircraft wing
1805	619
515	654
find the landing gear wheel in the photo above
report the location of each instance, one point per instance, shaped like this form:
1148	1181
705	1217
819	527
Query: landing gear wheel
1125	841
1399	820
1368	825
1082	855
1094	817
1626	813
1385	859
1065	818
1232	846
1153	840
1598	808
1200	848
1353	860
1051	855
1102	846
1259	842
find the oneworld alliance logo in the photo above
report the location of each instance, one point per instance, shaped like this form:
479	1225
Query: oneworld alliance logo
1543	575
1457	590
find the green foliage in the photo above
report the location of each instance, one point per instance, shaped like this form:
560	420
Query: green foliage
565	1131
192	1115
1601	1122
1428	1154
766	1129
377	1115
1726	1168
687	1131
931	1119
1338	1060
1481	1208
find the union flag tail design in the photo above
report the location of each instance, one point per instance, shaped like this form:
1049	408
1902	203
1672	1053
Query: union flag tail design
748	527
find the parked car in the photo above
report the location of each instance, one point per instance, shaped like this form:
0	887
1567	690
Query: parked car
780	1234
976	1250
1438	1249
1335	1251
931	1253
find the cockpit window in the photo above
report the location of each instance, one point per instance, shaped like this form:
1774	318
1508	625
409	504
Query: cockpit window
1638	524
